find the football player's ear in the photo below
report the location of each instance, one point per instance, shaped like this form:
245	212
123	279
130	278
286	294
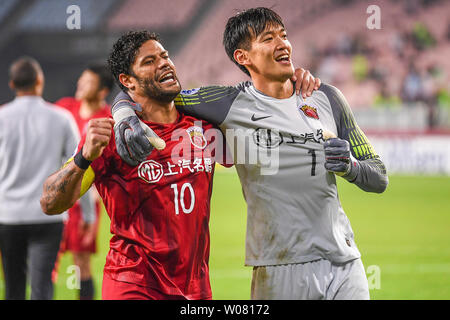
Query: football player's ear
241	57
40	83
127	80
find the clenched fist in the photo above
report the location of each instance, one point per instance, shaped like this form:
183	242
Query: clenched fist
337	156
97	137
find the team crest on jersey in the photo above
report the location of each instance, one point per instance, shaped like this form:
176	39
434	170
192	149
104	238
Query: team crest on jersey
197	137
309	111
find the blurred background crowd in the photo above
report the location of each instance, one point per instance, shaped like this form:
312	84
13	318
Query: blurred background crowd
400	71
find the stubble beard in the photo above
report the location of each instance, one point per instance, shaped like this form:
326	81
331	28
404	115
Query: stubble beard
151	90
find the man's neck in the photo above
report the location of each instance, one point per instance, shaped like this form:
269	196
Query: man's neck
275	89
154	110
89	108
26	93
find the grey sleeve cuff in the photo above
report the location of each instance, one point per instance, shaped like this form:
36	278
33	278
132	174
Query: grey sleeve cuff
369	175
87	204
353	171
123	100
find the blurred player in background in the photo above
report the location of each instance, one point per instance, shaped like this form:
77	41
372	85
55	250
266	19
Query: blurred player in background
93	87
81	228
36	138
160	210
299	239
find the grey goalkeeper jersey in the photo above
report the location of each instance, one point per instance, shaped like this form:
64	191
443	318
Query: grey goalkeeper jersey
293	210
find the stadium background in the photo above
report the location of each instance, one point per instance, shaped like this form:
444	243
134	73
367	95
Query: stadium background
396	80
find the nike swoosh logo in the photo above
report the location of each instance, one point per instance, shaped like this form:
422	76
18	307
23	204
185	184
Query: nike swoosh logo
260	118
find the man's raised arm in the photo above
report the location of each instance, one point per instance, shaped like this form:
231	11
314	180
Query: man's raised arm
63	188
132	136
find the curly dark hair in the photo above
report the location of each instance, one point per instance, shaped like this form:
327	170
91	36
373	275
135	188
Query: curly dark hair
124	52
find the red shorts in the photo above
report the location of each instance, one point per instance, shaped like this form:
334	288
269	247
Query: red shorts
118	290
71	240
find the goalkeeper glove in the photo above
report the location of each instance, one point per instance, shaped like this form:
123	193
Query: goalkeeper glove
338	158
134	139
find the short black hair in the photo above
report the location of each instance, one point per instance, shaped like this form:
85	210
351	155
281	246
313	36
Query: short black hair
124	52
104	74
23	73
245	24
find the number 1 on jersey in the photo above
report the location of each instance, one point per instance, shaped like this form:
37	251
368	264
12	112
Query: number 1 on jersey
313	164
179	197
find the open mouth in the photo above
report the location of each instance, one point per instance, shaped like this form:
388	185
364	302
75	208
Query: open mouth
167	77
285	59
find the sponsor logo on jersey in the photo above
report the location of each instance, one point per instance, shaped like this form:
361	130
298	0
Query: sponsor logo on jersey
150	171
197	137
269	139
190	91
253	118
309	111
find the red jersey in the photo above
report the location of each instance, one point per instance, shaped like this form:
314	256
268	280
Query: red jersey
72	239
160	210
73	105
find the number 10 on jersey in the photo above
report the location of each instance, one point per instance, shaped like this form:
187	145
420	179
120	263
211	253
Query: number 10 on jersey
178	198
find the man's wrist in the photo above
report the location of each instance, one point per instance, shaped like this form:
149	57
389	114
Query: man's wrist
353	170
123	113
123	100
80	161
